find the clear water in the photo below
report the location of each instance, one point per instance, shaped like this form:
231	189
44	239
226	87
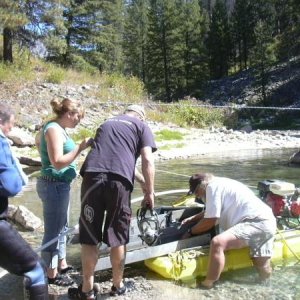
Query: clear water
249	167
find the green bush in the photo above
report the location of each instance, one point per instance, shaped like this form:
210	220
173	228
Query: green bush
18	71
191	114
167	135
55	75
120	88
83	133
81	65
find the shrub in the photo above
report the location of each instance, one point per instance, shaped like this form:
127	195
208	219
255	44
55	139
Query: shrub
119	88
83	133
190	114
168	135
55	74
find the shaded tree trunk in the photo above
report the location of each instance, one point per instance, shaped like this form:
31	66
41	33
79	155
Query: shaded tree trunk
7	45
166	67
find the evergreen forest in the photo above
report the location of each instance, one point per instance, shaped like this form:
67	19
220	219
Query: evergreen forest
173	46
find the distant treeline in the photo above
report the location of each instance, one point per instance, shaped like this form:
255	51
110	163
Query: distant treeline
173	46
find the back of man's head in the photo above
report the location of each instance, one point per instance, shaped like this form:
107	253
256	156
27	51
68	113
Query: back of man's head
139	110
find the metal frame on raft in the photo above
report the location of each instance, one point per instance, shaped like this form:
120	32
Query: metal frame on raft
183	259
188	258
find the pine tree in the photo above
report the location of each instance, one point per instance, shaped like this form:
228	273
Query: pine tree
287	22
219	41
108	42
262	53
135	38
195	54
47	24
165	64
12	17
243	31
88	33
82	22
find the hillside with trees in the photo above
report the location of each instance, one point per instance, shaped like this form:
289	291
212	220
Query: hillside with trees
176	48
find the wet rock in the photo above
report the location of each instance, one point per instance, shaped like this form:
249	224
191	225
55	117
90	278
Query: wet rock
21	137
33	162
295	158
12	209
26	219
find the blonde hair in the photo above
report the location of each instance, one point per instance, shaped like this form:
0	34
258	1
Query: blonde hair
60	107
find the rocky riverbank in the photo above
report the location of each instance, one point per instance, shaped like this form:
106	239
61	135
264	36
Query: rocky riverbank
31	104
195	142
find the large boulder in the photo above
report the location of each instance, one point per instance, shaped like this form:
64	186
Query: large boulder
26	219
21	137
295	159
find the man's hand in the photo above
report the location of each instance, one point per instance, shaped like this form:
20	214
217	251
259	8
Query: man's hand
85	143
148	200
188	220
194	218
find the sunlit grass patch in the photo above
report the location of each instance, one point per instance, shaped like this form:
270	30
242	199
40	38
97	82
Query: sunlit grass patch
83	133
167	135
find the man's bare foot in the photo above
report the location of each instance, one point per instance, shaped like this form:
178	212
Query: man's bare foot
207	284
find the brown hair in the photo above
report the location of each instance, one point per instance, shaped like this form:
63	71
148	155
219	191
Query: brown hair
60	107
5	113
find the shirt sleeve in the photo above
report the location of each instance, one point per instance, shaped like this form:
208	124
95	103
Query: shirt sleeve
148	138
213	203
10	179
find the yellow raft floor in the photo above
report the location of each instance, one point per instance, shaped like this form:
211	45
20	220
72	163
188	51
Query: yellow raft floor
190	263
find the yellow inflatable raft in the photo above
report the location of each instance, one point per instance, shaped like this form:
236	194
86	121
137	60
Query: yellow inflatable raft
190	263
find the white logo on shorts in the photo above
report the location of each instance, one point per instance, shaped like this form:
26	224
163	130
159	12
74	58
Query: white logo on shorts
89	213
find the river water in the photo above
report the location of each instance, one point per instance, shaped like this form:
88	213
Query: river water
249	167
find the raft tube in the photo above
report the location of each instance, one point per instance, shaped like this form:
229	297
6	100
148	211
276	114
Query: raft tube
191	263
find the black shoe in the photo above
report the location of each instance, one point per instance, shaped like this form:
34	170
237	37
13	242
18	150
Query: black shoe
77	293
127	287
61	280
68	269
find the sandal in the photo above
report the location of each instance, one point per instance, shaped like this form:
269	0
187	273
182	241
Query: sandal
60	280
66	270
127	287
77	293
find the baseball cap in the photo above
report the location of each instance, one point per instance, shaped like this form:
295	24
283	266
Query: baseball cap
194	181
138	109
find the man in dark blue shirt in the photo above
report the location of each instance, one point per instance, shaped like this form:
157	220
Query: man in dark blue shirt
108	178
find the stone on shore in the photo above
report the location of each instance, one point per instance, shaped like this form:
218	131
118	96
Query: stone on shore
23	217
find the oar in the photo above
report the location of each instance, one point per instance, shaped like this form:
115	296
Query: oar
67	232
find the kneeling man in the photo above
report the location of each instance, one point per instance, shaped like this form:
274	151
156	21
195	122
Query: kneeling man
244	220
